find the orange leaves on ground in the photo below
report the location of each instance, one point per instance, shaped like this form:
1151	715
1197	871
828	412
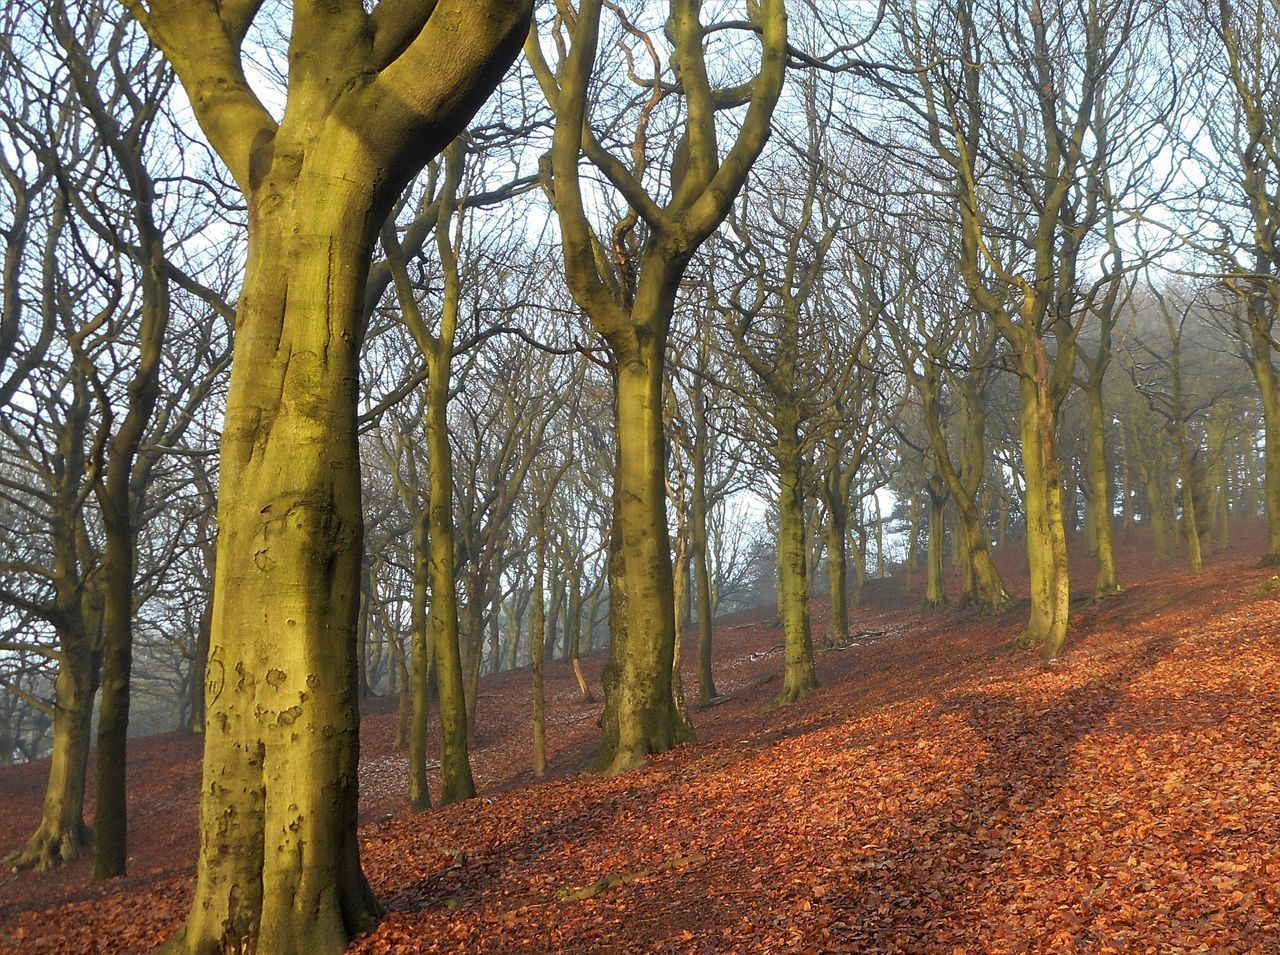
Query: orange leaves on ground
932	796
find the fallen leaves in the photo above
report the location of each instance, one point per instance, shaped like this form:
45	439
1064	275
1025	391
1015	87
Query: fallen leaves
930	797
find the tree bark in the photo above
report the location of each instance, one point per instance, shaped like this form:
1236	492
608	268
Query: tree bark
1046	531
935	583
641	717
419	688
1101	514
799	675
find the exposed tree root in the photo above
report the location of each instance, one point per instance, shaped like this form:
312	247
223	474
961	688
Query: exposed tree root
47	849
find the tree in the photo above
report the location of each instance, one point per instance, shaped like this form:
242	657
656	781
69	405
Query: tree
1238	40
1009	101
372	96
627	285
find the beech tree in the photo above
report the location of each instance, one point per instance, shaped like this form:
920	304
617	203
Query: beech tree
372	96
626	282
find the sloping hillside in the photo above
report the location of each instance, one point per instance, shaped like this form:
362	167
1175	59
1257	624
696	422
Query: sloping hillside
936	794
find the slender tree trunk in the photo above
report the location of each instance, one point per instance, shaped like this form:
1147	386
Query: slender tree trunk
1126	484
1269	390
537	650
1107	582
698	557
575	638
513	636
362	644
680	593
110	817
935	585
474	644
1190	515
456	783
799	676
837	573
199	665
420	679
859	546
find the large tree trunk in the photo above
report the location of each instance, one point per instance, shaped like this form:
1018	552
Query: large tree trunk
279	864
799	676
640	713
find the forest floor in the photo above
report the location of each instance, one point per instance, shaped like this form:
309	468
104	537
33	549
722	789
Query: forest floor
937	793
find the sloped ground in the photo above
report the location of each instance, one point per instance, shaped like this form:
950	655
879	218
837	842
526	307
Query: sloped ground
935	794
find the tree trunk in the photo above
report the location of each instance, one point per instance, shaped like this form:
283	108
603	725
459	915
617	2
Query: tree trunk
983	586
474	645
702	591
1269	389
513	638
1190	515
1107	582
199	664
1046	531
456	783
682	608
640	714
837	574
62	834
538	636
935	584
420	678
110	816
575	639
799	676
279	864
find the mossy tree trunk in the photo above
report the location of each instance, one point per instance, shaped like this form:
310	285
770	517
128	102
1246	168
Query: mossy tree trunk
628	292
935	593
1046	529
62	834
437	351
423	650
644	717
371	98
1101	512
75	616
799	676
